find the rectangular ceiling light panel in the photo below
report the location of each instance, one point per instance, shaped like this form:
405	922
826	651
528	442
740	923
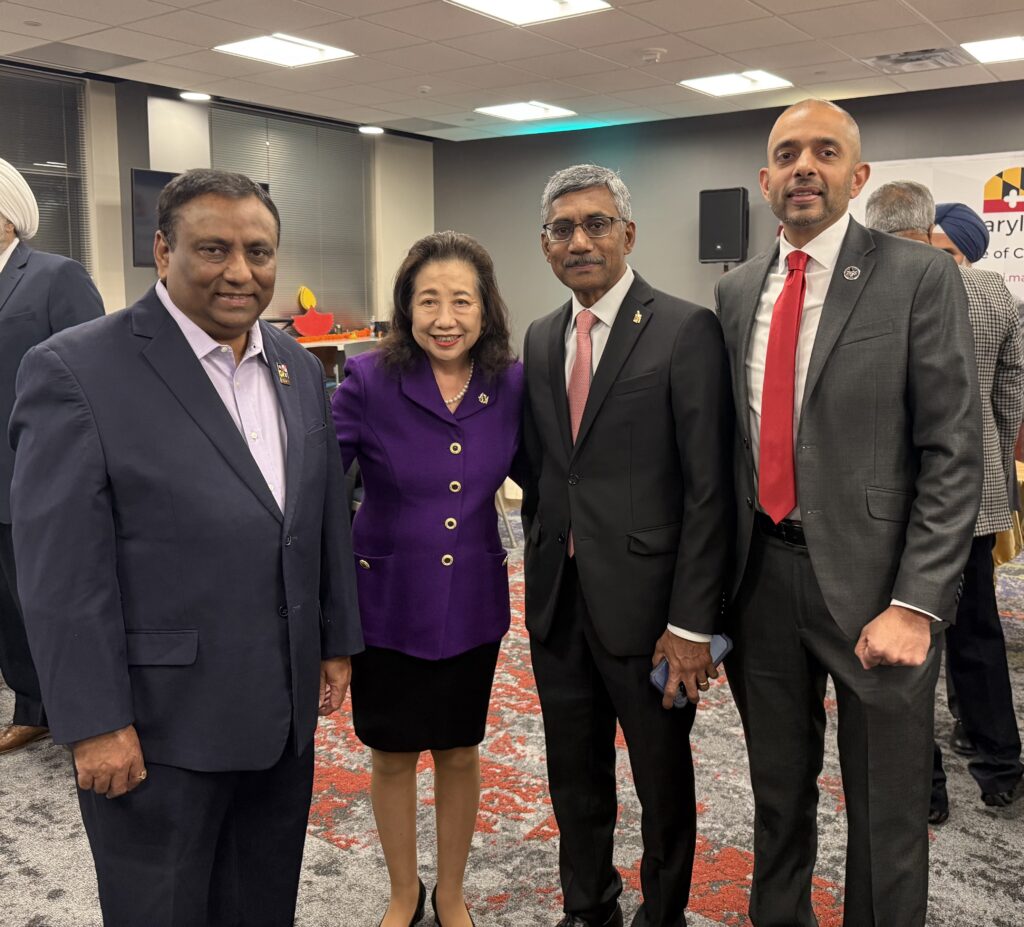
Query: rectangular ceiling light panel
524	112
528	12
726	85
994	50
285	50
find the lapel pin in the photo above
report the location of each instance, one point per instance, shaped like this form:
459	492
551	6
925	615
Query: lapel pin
483	399
638	318
851	273
282	375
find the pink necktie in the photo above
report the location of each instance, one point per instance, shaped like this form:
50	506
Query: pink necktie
776	483
579	381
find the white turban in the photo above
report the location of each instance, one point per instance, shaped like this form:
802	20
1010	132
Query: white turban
17	202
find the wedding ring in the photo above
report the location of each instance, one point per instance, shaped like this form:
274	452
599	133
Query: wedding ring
703	686
142	775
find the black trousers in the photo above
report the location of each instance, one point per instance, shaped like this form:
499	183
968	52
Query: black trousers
976	665
786	646
15	658
197	849
583	690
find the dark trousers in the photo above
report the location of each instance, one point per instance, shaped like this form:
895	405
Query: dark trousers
197	849
583	690
786	646
976	665
15	658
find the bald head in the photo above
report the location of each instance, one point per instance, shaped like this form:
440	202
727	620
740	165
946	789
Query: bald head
812	108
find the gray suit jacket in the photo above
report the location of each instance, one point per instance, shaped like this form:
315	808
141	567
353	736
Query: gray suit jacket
888	452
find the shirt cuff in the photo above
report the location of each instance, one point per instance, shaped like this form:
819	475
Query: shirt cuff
915	609
690	635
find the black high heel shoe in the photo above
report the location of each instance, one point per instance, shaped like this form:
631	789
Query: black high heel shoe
433	904
421	905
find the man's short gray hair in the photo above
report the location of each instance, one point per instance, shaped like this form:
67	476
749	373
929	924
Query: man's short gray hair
583	177
901	206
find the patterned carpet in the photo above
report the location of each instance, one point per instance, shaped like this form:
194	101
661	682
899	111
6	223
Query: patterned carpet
46	877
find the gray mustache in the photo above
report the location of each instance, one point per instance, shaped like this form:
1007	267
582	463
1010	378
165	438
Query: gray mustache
579	261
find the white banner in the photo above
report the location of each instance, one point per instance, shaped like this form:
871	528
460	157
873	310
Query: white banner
992	185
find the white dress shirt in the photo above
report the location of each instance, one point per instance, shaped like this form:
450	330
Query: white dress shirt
823	253
5	255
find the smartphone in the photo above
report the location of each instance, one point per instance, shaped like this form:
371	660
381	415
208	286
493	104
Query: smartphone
721	644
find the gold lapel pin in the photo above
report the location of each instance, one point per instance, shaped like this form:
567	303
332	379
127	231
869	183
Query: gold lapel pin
638	318
483	399
282	375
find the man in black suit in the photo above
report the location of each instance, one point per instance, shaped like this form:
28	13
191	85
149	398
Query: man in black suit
627	500
186	570
40	294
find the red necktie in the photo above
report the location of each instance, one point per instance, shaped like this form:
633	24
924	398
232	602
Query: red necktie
776	477
579	381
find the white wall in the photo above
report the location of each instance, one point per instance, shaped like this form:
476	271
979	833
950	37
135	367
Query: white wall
179	135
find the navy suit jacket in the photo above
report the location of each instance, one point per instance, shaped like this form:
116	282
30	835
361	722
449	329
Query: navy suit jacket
160	581
40	294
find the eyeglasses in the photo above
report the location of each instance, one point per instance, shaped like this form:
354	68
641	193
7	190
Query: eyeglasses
594	227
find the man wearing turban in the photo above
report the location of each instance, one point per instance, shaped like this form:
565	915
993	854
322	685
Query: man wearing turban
40	294
959	231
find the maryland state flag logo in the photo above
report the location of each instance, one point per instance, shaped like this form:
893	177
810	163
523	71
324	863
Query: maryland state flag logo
1005	191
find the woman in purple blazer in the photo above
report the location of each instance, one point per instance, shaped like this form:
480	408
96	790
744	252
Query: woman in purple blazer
433	419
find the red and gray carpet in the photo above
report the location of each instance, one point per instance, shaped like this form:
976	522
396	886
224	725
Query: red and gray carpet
46	877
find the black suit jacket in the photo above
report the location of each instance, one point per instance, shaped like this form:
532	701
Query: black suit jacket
160	581
646	487
40	294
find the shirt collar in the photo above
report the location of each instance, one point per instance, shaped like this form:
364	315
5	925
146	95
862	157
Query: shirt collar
5	255
824	248
607	307
200	342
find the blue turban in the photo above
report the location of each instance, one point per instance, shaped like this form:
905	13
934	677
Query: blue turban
964	228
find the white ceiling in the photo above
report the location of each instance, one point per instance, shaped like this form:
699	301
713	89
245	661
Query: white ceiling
425	65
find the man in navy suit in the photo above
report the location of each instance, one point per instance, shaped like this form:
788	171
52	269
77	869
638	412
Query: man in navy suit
187	574
40	294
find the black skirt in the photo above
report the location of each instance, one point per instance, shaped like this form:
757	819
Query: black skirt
405	704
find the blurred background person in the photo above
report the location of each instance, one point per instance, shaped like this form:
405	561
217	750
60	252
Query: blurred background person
433	420
40	294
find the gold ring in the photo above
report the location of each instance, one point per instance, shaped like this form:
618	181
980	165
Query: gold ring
703	686
142	775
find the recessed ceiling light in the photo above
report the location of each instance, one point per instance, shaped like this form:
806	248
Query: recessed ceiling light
525	12
523	112
371	130
1009	49
285	50
194	97
724	85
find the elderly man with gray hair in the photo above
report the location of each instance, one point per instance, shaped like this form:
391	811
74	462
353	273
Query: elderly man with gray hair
976	650
627	508
40	294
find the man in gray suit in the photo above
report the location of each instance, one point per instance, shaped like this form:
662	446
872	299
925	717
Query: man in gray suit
976	666
858	474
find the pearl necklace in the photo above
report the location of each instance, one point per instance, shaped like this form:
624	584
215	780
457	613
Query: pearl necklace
465	386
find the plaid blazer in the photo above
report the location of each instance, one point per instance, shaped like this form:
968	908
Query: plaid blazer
998	349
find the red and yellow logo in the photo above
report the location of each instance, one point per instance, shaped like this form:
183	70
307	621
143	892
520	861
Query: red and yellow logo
1005	191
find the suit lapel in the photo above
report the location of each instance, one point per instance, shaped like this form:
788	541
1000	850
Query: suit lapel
631	320
170	355
842	296
291	411
471	403
13	271
419	386
556	374
750	301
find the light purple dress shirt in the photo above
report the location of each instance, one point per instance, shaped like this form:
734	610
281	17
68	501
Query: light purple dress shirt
247	391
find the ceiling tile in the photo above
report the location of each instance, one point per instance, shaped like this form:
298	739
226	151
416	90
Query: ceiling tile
430	57
738	36
705	107
675	71
946	77
1008	70
488	75
675	16
657	96
434	20
111	12
9	42
365	115
365	7
182	4
796	53
827	72
459	135
593	103
851	19
780	7
889	41
596	29
851	89
135	44
212	62
364	38
53	27
631	53
155	72
424	107
506	44
565	64
286	16
186	26
411	83
940	10
616	81
771	99
331	74
363	95
979	28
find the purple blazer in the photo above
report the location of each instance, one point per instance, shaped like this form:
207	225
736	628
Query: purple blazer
432	574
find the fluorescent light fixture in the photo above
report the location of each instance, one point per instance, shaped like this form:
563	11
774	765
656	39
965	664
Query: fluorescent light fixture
371	130
526	12
989	52
193	96
725	85
57	164
524	112
285	50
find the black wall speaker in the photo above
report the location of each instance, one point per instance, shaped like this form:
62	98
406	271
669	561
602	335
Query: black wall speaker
724	221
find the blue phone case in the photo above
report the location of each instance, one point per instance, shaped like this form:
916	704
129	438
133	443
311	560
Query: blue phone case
721	644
